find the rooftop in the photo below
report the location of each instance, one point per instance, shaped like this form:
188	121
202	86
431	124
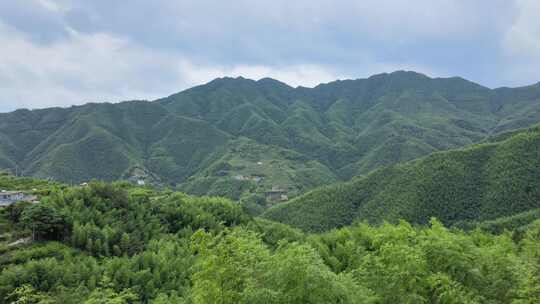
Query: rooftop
10	192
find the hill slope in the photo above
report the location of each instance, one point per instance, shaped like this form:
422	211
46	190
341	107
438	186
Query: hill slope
117	243
331	132
478	183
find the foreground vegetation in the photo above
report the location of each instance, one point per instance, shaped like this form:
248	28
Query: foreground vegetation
114	243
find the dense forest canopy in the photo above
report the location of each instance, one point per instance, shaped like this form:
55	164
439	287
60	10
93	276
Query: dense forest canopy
238	137
484	182
116	243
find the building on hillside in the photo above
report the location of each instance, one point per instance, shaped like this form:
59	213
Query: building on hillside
257	178
254	178
276	194
10	197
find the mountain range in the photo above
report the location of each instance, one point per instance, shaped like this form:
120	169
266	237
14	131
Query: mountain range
238	137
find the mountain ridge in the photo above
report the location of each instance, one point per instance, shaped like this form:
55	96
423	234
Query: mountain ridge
274	80
346	127
483	182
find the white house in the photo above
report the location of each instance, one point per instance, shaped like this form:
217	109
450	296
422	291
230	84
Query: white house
9	197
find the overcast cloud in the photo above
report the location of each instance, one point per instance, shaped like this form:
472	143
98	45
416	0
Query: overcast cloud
64	52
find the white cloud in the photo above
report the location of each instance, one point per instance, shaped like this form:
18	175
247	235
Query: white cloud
84	68
62	52
101	67
523	36
428	19
50	5
521	44
294	75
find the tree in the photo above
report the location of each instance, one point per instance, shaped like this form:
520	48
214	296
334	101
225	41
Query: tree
105	294
26	294
45	222
228	265
14	211
297	274
238	268
529	291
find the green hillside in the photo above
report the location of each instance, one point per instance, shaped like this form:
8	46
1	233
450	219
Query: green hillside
304	137
479	183
116	243
246	163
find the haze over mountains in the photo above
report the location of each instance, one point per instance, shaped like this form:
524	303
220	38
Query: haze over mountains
295	138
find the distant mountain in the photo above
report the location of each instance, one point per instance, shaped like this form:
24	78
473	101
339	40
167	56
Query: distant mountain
205	139
495	182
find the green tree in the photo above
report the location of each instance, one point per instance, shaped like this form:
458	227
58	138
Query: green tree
105	294
45	222
14	211
228	265
238	268
26	294
529	290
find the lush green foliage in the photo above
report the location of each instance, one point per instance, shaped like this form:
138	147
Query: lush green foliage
10	182
480	183
116	243
275	166
402	264
121	244
303	137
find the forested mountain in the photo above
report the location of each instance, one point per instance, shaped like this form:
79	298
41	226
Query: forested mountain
483	182
116	243
200	139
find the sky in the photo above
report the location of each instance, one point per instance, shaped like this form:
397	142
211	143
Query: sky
65	52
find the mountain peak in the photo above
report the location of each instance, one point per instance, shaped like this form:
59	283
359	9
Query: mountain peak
267	81
229	80
402	74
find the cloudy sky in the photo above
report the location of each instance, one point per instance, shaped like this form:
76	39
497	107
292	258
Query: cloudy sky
64	52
